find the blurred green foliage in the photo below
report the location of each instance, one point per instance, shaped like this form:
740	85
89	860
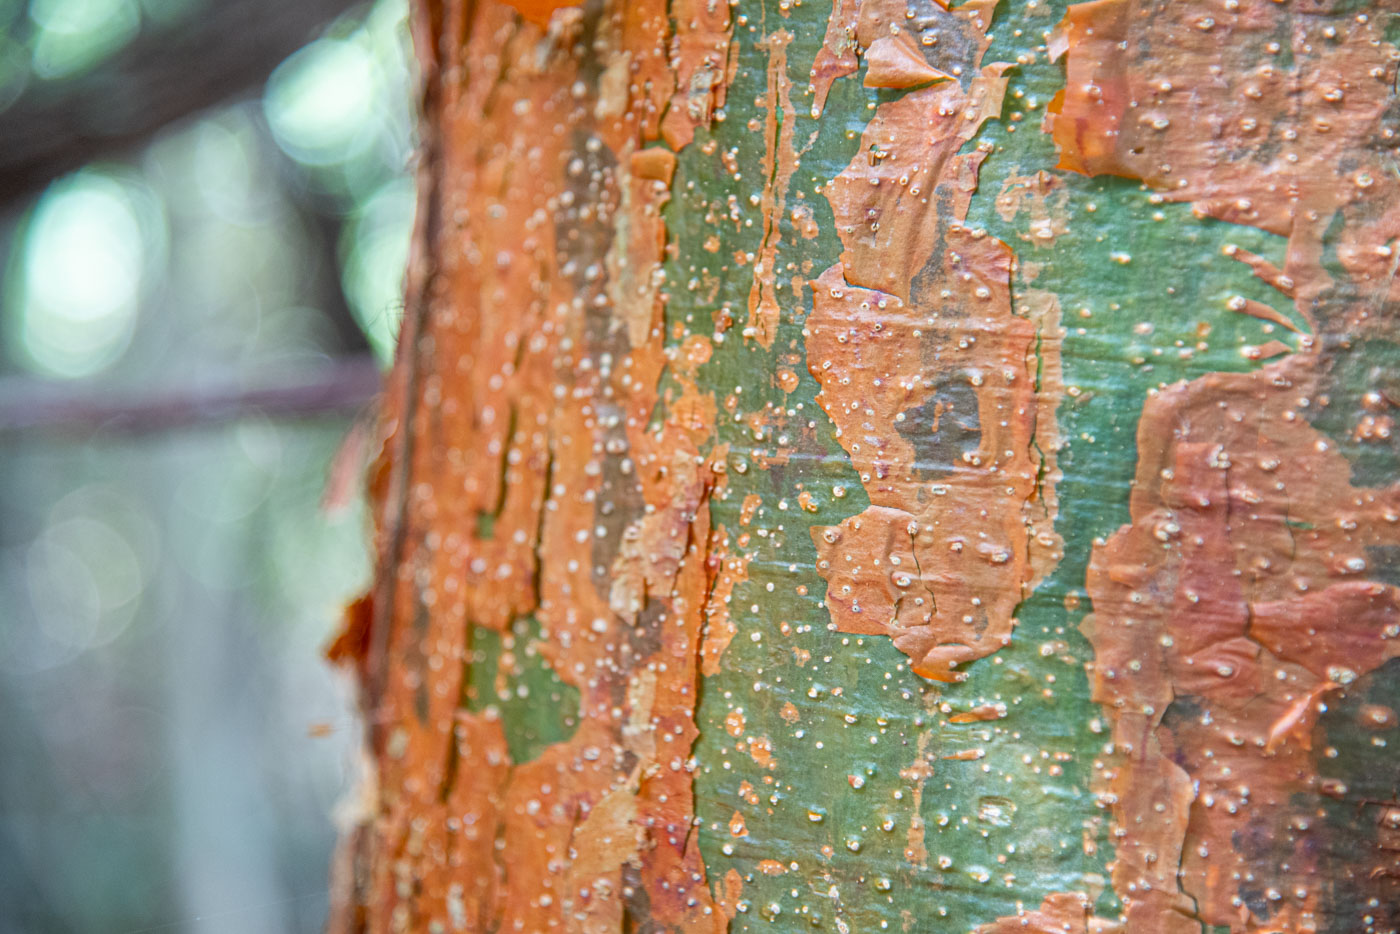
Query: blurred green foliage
174	747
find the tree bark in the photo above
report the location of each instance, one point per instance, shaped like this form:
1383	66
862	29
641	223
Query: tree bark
880	466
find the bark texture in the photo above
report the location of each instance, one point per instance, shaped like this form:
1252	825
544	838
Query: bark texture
886	465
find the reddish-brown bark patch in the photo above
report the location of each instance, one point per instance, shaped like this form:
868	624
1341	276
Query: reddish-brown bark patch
1241	597
1256	113
1226	612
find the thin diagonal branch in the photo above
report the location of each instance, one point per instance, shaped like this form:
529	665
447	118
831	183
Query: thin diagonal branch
44	408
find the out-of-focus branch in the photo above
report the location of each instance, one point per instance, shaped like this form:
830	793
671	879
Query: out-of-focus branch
39	407
221	50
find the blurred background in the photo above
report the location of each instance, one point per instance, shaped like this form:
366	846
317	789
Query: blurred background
204	216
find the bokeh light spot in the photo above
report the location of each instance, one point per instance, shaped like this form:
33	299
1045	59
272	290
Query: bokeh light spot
84	261
84	581
74	35
317	99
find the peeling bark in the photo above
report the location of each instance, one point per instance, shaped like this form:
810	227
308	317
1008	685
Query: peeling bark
1028	557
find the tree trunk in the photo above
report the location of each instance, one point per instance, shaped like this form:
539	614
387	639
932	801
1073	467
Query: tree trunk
874	466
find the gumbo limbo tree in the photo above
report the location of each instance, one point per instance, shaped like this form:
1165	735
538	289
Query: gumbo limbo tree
887	465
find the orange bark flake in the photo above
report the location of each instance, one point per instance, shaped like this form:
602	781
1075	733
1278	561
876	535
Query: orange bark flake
1263	270
1085	117
979	714
895	62
837	57
728	893
887	213
720	629
760	749
932	389
734	723
780	163
938	410
700	62
1248	306
749	508
540	11
1060	913
917	774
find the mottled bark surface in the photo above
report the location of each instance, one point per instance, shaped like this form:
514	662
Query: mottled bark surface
878	465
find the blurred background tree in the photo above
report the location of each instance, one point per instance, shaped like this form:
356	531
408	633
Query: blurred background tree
204	213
